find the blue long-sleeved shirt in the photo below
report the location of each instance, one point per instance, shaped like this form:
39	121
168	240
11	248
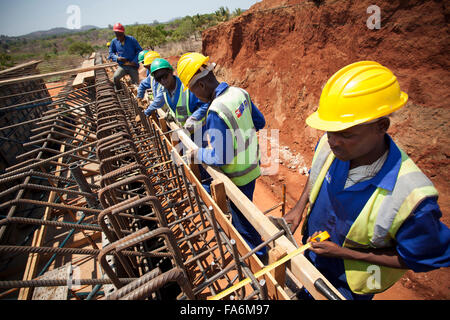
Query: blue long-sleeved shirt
221	149
129	50
422	241
146	84
197	108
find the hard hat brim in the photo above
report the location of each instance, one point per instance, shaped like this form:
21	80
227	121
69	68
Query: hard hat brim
316	122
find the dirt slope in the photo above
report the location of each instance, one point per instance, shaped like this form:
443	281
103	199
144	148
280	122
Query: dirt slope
283	52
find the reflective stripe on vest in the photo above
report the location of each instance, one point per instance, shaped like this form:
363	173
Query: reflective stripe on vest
378	221
245	165
182	108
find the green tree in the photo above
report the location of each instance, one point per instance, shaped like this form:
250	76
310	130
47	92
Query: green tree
5	61
80	48
148	36
223	14
237	12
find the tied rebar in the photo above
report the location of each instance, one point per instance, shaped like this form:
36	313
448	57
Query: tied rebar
98	167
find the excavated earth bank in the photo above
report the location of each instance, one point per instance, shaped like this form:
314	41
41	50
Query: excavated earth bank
283	52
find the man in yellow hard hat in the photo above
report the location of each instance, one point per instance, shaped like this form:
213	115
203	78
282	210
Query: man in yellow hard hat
379	208
149	82
182	104
231	125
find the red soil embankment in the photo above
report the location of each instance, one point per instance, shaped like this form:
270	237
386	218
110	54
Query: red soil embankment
283	52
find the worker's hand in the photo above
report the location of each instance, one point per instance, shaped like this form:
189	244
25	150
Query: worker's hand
122	59
148	112
142	102
325	248
293	218
192	124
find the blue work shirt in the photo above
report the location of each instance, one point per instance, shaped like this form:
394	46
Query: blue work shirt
197	108
146	84
422	241
129	50
221	150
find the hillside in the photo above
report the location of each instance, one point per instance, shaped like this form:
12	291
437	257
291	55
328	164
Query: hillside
283	52
55	31
53	46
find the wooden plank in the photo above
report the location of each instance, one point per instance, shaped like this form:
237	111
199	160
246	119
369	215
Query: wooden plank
279	273
19	66
57	73
84	76
219	195
301	267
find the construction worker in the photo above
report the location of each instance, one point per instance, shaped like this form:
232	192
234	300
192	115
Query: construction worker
231	124
107	45
184	106
149	82
379	208
124	50
141	56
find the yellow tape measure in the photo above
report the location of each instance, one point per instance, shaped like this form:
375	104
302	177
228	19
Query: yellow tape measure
320	237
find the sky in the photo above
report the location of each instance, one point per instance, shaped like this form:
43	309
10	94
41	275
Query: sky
19	17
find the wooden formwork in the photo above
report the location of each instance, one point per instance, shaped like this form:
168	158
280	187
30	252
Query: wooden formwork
300	267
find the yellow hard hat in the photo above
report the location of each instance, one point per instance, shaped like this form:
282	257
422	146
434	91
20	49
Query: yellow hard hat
150	56
188	65
108	44
358	93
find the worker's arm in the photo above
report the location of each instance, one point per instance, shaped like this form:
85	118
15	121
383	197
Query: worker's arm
197	107
220	146
137	48
112	51
422	243
294	216
158	102
258	118
144	85
387	257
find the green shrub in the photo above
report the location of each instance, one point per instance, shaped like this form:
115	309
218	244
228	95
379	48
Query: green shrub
81	48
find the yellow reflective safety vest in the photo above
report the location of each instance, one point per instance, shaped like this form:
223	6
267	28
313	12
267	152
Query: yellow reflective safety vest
182	112
234	107
378	221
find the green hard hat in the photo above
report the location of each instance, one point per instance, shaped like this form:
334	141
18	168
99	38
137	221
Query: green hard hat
160	63
141	55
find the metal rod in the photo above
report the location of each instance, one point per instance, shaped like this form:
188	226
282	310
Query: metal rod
77	174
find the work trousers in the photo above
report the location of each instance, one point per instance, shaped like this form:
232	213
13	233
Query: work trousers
124	70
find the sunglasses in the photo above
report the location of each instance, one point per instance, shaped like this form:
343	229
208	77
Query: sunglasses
162	76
